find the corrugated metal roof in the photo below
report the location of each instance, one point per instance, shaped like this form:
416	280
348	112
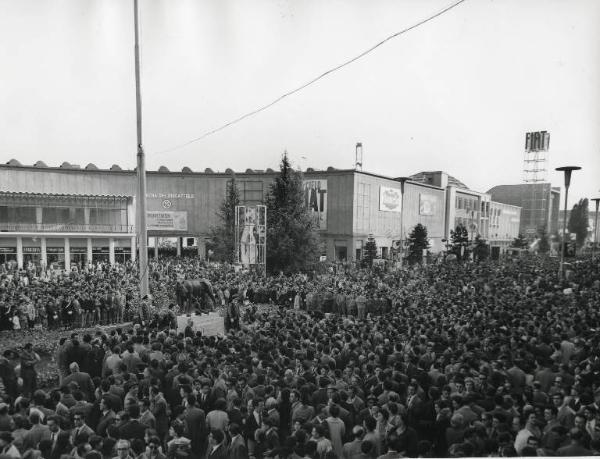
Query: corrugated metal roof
58	195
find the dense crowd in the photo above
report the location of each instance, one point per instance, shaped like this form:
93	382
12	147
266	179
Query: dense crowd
489	359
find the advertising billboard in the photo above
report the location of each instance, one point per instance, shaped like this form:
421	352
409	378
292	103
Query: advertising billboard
390	199
315	198
167	220
427	204
537	141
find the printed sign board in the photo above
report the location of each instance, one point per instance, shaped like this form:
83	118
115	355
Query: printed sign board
390	199
315	198
427	204
537	141
211	324
167	220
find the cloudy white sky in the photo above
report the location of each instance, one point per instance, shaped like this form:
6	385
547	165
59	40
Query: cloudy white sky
457	94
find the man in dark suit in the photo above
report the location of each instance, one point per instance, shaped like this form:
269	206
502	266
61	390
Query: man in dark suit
195	422
237	449
216	446
83	380
205	401
108	416
37	433
132	428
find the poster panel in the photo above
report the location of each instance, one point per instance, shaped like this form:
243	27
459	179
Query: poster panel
167	220
315	198
211	324
427	204
390	199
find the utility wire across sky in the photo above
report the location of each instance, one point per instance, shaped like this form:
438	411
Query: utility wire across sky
305	85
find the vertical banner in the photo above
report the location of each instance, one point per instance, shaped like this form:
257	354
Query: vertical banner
251	235
315	198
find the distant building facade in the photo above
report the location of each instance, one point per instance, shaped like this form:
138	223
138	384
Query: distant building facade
540	203
68	214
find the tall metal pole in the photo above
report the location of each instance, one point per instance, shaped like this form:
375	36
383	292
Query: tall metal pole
141	166
402	181
567	172
597	201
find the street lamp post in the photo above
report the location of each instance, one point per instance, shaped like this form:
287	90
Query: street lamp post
597	201
402	181
567	172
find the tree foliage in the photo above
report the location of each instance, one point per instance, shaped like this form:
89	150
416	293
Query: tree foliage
418	241
520	242
459	242
222	236
370	252
578	221
292	239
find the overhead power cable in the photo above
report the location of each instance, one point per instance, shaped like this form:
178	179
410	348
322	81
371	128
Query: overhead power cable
314	80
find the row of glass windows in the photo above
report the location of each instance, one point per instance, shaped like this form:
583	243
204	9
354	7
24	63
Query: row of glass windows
469	204
62	215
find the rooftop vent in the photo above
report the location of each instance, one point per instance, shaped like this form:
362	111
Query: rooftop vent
40	164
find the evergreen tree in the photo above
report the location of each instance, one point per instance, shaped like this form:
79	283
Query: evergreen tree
544	243
481	251
578	221
418	242
222	237
292	238
370	252
520	242
459	242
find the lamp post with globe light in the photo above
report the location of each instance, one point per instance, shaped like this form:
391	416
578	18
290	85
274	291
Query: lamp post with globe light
567	172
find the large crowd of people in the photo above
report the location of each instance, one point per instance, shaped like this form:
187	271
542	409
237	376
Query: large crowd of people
448	360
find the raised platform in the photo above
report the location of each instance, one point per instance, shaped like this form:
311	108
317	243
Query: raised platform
211	324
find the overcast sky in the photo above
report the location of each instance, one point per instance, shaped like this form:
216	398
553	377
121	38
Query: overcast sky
456	94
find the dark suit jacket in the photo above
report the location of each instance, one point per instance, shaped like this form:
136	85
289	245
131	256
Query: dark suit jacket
320	397
36	434
237	449
195	421
84	381
206	405
104	422
132	429
220	453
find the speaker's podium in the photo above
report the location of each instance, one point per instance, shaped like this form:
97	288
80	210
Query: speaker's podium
211	324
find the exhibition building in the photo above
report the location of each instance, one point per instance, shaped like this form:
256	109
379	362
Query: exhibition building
68	215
